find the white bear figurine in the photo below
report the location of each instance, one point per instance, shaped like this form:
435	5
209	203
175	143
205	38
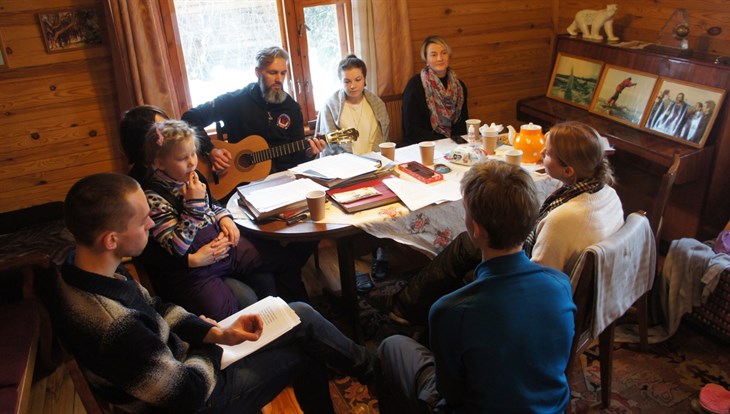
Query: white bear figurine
595	19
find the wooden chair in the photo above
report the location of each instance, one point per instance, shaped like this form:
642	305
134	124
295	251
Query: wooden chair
587	282
394	106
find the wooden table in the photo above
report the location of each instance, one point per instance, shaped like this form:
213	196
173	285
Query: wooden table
306	231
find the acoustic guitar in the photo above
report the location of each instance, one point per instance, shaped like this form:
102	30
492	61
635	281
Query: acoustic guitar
251	159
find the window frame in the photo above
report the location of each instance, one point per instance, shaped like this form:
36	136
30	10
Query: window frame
291	21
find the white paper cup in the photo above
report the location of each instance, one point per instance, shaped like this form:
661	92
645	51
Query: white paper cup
513	157
489	142
315	202
476	122
427	149
387	150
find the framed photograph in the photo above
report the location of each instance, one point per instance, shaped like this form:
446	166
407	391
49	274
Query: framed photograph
623	94
70	29
574	80
3	60
683	111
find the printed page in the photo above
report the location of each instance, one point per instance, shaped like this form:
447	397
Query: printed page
271	198
278	318
342	166
416	195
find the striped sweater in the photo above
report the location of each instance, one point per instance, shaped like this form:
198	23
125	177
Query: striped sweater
136	351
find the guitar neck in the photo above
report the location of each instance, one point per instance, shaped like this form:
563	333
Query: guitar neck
279	151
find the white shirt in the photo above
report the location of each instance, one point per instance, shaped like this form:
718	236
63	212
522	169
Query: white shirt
361	117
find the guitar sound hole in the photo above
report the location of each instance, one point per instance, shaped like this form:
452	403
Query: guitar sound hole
245	161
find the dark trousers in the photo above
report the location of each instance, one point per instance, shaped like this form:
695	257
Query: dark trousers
450	270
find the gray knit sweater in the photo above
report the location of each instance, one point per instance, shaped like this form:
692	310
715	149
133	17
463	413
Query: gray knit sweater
137	351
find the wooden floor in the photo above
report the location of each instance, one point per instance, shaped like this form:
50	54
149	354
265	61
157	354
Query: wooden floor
55	393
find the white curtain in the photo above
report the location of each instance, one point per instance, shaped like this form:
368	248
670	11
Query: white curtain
364	39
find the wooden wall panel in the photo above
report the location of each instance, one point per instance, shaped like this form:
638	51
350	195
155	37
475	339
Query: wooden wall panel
501	49
643	20
58	111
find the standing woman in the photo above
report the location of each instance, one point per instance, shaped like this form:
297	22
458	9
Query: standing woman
353	106
434	101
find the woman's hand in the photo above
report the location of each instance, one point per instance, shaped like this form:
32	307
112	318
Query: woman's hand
193	188
245	328
230	230
217	249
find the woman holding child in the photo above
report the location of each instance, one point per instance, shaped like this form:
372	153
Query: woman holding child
435	100
196	247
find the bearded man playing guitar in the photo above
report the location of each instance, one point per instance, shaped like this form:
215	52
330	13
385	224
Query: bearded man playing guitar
261	108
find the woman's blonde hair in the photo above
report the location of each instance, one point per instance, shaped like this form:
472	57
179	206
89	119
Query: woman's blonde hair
434	39
164	136
578	145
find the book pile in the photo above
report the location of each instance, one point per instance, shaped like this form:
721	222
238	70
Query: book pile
282	195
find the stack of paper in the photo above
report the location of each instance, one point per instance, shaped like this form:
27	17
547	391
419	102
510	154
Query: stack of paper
277	196
278	318
337	169
416	195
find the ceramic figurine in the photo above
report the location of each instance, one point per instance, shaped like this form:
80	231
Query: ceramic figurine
595	19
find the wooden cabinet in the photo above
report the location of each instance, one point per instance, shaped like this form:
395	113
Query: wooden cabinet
699	205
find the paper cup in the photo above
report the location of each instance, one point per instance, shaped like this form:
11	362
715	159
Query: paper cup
489	142
513	157
315	202
476	122
427	148
387	150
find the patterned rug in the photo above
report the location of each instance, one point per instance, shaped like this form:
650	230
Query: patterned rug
663	380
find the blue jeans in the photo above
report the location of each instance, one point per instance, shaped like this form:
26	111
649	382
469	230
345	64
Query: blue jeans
299	358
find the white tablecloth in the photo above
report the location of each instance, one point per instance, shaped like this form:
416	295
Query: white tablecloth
429	229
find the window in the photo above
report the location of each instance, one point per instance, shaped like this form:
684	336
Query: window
220	38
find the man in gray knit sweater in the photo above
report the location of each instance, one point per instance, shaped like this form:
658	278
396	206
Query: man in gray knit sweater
145	355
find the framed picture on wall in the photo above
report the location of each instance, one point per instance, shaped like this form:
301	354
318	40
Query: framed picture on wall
683	111
623	94
70	29
3	60
574	80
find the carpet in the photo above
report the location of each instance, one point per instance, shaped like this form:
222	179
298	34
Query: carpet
663	380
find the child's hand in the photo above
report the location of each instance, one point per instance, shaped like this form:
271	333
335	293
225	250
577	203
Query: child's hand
212	252
193	188
230	230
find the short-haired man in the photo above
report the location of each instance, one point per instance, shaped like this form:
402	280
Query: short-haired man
142	354
261	108
500	344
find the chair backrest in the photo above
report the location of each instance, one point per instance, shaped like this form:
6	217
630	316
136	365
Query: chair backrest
394	107
583	297
640	193
624	268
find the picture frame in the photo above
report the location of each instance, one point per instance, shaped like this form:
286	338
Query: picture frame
623	94
689	123
70	29
574	80
3	58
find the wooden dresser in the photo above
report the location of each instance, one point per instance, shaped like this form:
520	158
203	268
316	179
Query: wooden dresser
700	204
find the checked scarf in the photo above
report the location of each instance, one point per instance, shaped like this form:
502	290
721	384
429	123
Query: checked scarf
444	103
559	197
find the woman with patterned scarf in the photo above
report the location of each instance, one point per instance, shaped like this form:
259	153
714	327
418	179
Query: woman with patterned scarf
435	100
584	211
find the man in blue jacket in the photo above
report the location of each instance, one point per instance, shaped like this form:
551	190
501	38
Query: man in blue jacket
501	343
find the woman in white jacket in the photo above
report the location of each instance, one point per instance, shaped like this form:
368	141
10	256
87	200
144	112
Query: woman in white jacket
353	106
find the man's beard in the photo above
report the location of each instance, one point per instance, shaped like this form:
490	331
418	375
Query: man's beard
272	96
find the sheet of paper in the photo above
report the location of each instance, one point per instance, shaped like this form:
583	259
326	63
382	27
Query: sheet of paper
416	195
271	198
278	318
341	166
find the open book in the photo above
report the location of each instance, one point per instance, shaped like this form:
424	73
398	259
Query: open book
278	318
276	196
